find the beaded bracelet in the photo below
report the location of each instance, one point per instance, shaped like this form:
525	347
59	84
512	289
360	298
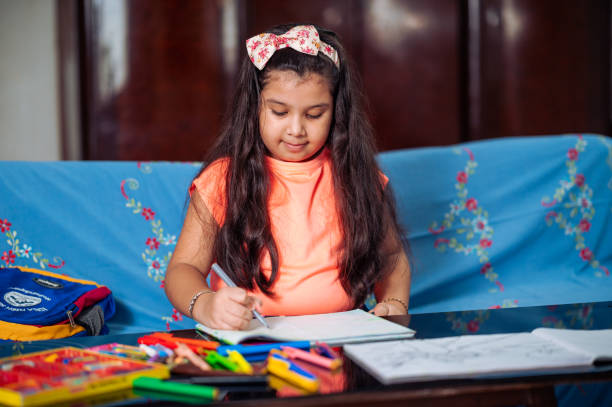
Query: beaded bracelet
194	298
397	300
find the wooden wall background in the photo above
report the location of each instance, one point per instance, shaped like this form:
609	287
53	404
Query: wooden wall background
155	75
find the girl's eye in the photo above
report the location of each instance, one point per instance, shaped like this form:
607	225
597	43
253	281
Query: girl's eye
279	113
314	116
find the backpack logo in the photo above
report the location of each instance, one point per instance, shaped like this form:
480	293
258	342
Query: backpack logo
17	299
47	283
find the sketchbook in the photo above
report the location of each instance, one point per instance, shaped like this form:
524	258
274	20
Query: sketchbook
473	355
335	329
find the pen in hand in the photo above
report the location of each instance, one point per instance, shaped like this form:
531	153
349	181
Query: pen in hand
221	273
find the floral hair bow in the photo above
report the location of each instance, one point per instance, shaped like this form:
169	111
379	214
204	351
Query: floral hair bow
302	38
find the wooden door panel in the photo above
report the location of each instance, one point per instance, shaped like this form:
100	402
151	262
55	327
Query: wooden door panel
156	78
154	84
544	67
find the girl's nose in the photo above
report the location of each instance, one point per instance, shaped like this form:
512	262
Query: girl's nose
295	126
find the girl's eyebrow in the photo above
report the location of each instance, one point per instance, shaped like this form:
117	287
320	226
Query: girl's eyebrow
278	102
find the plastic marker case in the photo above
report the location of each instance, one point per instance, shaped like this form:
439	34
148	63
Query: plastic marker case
67	373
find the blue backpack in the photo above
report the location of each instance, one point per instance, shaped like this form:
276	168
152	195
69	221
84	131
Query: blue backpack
38	305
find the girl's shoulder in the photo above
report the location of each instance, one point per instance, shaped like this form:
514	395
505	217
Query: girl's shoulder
217	168
220	164
212	176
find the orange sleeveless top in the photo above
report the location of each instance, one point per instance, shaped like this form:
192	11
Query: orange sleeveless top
306	229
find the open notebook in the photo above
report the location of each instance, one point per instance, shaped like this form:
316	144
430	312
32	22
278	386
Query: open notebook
335	329
472	355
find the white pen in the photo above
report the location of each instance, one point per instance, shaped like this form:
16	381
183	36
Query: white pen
228	281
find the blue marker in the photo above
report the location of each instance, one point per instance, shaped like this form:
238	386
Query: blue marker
261	349
221	273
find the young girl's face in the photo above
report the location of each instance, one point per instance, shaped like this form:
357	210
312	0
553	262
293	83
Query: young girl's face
296	114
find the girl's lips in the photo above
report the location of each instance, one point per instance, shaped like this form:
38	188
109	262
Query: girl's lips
294	147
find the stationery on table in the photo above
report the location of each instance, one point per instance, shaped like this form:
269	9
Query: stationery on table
335	329
118	349
281	366
473	355
198	343
168	340
320	353
243	365
186	389
232	383
217	361
155	397
68	373
225	380
312	357
259	352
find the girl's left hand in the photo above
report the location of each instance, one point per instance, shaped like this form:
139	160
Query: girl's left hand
383	309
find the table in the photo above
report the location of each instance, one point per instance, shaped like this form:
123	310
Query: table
353	386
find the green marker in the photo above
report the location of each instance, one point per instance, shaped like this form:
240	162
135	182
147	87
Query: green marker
221	362
149	383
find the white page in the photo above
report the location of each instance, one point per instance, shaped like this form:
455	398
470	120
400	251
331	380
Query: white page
334	328
460	356
595	343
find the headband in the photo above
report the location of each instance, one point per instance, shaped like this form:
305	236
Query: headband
302	38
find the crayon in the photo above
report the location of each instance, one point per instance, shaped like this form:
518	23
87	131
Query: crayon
243	365
152	353
282	367
156	385
325	350
183	351
51	358
310	357
220	362
247	350
226	381
151	340
212	345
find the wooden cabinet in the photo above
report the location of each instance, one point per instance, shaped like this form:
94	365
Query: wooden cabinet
156	75
539	67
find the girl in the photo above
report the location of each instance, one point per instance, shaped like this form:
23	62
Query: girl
291	202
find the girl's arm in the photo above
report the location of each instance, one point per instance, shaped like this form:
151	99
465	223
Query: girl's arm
228	308
393	292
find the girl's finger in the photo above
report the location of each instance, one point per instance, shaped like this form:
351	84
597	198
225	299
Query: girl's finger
238	295
381	309
224	326
257	304
253	303
237	310
228	321
239	323
245	323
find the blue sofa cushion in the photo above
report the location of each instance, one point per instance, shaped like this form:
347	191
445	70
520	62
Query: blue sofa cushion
507	222
493	223
112	222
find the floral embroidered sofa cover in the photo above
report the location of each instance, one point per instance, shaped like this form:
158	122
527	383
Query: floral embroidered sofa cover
494	223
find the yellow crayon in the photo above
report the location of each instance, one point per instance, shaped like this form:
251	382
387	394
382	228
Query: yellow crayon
51	358
279	365
243	365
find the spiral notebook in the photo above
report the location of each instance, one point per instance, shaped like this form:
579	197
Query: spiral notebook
542	349
336	329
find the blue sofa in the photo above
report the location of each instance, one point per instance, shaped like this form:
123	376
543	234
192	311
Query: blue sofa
491	224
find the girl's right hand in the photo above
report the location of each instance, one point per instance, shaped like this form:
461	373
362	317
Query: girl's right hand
228	308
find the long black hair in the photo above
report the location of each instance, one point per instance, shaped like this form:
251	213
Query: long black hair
365	207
